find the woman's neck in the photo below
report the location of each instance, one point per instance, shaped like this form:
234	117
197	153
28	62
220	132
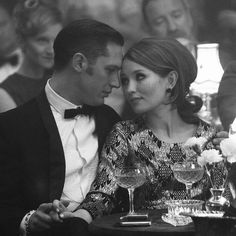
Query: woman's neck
168	126
31	70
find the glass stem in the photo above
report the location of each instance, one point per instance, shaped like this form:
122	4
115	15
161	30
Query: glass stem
131	201
188	190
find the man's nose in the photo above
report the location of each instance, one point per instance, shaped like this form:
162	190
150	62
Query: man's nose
115	81
171	25
50	47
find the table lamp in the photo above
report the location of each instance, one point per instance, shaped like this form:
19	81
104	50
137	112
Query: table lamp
207	82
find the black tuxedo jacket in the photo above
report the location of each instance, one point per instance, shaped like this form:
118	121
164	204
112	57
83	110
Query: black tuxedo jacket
32	163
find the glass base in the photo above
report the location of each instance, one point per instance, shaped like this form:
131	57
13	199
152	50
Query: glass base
134	217
217	202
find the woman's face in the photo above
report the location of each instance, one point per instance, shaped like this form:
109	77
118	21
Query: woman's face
144	89
39	48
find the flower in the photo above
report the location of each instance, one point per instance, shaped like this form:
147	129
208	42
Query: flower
191	142
193	146
228	148
209	156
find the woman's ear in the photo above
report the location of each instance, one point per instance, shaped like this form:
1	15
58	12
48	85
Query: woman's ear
79	62
172	79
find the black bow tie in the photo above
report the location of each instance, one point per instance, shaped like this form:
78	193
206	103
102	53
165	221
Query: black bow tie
85	110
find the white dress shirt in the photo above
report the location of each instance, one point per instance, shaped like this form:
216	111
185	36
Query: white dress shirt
80	147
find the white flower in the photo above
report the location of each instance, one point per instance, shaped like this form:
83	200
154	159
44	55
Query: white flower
228	148
201	161
210	156
195	141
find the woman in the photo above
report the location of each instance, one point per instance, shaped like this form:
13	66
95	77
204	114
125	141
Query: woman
37	24
156	76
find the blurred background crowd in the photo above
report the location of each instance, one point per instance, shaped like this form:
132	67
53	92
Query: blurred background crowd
203	21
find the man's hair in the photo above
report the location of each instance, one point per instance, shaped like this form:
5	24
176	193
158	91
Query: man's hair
146	2
86	36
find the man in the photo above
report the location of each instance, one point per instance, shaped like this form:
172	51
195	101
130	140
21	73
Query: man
49	147
226	98
170	19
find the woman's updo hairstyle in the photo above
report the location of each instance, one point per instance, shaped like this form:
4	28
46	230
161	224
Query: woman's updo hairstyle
33	16
164	56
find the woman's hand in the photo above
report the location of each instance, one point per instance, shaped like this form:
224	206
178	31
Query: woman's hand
218	138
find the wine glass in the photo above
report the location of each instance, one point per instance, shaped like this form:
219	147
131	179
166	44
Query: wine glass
131	177
232	130
188	172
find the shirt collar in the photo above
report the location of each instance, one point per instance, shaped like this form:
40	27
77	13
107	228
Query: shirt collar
59	103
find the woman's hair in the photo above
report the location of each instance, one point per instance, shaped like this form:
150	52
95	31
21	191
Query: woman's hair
164	56
34	16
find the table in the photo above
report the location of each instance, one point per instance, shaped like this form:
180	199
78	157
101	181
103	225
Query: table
108	225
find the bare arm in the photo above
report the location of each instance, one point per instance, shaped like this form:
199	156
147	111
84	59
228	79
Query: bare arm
6	101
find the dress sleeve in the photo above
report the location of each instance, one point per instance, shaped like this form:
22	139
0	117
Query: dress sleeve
101	199
217	171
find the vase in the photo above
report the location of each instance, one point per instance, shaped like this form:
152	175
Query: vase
217	202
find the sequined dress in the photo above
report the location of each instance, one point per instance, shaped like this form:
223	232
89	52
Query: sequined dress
159	156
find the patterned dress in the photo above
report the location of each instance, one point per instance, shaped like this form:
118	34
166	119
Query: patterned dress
133	136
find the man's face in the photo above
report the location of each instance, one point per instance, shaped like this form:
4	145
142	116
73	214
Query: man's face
169	18
102	76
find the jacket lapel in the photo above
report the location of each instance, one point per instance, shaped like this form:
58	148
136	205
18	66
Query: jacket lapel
56	153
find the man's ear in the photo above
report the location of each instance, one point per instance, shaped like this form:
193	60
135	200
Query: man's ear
79	62
172	79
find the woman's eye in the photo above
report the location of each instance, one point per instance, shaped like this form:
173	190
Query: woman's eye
140	76
42	40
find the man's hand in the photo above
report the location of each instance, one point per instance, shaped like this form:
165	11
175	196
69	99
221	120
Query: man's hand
41	220
219	137
46	215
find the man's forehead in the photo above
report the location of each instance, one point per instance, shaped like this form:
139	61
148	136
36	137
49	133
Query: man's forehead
164	3
114	50
114	54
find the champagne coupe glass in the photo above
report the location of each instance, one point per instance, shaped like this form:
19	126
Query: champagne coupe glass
131	177
188	172
232	130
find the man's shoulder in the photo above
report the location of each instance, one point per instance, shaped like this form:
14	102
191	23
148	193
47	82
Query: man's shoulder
107	112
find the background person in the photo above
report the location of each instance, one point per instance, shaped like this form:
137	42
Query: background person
48	150
8	42
37	24
170	19
226	97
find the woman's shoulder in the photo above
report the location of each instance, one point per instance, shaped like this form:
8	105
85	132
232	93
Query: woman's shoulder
205	129
129	125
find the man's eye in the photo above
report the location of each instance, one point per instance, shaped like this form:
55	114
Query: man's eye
177	14
158	21
124	80
111	71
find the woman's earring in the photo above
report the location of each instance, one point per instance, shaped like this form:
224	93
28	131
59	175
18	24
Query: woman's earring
169	90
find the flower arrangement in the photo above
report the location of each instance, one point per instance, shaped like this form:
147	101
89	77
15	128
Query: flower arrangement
212	158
